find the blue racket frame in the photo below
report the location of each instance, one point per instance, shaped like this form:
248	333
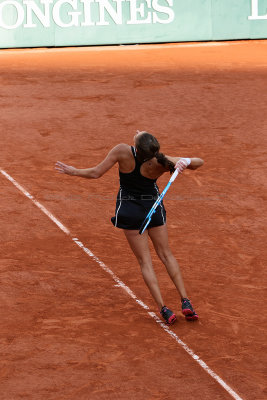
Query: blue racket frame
157	202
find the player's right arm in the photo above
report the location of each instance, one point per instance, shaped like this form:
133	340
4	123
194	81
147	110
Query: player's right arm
194	164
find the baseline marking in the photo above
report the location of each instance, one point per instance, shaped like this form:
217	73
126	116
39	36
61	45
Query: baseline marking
121	284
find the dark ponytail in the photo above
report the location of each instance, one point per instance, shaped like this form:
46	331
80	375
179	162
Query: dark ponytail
148	147
163	160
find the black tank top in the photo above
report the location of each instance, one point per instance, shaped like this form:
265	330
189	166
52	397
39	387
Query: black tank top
133	183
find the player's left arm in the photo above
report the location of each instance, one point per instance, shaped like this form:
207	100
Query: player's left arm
95	172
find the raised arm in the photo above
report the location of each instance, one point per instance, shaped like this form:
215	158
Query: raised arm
195	162
97	171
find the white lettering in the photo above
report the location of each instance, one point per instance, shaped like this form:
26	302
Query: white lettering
255	11
136	11
166	10
116	15
87	13
74	15
65	14
19	10
32	7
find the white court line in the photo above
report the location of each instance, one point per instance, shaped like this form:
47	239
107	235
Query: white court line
119	283
115	48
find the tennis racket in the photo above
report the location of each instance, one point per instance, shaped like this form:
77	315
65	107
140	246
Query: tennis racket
159	199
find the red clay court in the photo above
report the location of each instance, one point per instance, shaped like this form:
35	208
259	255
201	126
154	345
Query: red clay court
68	330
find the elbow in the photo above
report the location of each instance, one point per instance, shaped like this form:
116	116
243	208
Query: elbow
196	163
199	163
95	174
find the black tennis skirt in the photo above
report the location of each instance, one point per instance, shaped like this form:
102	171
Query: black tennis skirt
132	210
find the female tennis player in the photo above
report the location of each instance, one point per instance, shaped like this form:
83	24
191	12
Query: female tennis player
139	168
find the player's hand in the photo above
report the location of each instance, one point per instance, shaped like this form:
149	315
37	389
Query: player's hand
64	168
139	131
181	165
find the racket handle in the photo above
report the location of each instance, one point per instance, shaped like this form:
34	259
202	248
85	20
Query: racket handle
174	175
176	172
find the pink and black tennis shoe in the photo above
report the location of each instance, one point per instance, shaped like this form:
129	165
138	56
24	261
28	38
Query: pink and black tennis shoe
188	310
168	315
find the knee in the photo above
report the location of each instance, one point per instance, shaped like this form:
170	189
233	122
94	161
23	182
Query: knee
144	262
165	255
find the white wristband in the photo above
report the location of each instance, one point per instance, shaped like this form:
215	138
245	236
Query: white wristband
188	161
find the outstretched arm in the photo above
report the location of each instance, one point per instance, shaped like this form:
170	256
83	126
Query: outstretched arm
95	172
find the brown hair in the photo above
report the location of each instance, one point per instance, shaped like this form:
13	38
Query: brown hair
148	147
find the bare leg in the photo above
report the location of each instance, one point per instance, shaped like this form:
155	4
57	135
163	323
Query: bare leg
159	237
140	248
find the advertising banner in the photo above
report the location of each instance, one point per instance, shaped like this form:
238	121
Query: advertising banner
38	23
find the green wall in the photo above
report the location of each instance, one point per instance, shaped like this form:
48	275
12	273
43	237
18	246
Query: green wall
34	23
